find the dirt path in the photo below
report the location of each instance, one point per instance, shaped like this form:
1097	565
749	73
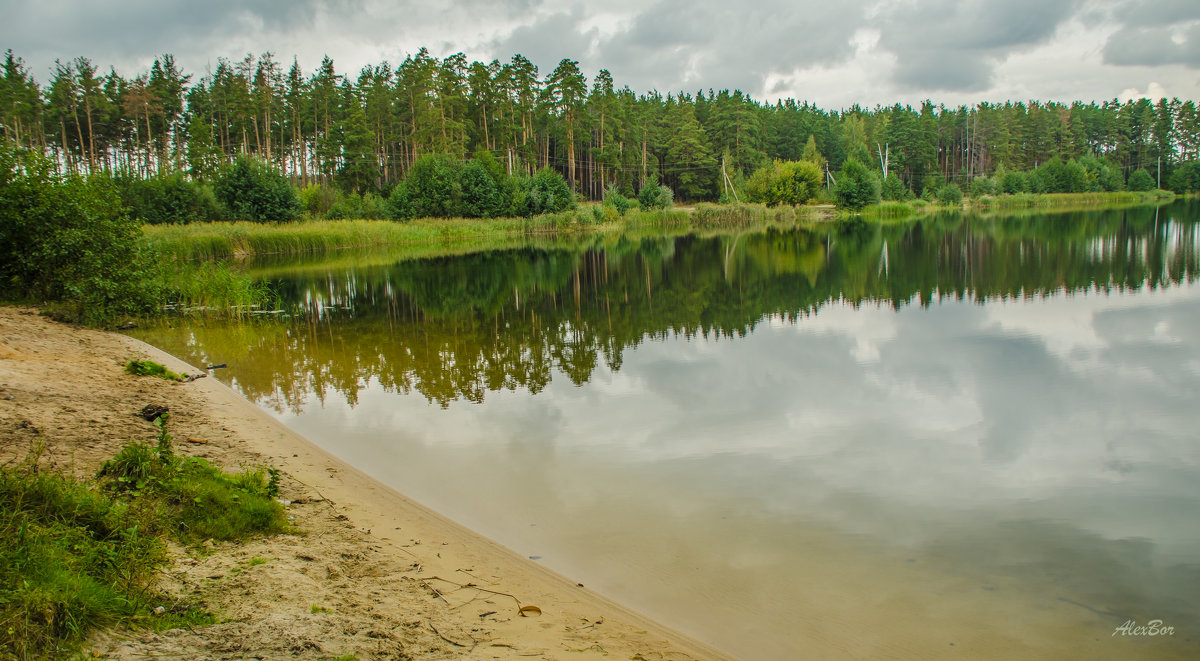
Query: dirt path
374	575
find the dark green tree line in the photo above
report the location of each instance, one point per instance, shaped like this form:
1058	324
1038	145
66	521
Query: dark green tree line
363	132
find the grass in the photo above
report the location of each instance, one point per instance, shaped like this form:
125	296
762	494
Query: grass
228	240
1069	200
75	556
151	368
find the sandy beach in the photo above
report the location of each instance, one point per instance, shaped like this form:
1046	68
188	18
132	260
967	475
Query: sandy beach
372	574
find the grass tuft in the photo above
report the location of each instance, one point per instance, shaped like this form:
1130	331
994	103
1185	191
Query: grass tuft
151	368
75	556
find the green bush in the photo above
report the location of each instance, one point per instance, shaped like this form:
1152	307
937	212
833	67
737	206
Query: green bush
432	189
481	196
1141	180
1186	178
549	193
1013	182
784	182
894	190
857	186
167	199
317	199
69	241
351	206
253	190
982	186
949	194
615	200
655	195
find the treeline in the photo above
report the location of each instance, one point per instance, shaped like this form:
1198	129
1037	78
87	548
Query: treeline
363	133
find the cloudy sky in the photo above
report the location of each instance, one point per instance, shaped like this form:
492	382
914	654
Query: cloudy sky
833	54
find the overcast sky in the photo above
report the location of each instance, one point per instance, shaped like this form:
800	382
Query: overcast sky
832	53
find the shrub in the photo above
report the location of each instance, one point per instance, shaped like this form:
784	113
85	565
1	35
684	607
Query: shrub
1186	179
949	194
654	195
431	189
69	240
316	200
251	189
168	199
894	190
368	206
784	182
549	193
1013	182
614	199
981	186
856	186
481	196
1141	180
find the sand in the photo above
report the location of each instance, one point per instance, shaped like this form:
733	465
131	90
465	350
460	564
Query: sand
373	574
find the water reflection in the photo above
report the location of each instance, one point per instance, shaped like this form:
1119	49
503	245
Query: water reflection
458	327
987	424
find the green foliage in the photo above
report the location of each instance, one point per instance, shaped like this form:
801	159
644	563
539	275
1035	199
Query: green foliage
70	241
949	194
316	200
253	190
351	206
981	186
71	559
1186	178
198	500
548	193
1102	175
784	182
1013	182
432	189
1057	177
856	186
894	190
613	198
482	197
654	195
151	368
1141	180
167	199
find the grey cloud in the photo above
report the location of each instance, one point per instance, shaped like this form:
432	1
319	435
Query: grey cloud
955	45
547	41
1147	13
726	46
675	45
128	34
1152	46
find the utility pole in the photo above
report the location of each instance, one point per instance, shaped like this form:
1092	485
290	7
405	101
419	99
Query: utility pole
725	182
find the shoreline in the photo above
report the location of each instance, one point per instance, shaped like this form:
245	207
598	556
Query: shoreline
449	591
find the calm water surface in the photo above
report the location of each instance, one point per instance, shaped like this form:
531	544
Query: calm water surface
967	438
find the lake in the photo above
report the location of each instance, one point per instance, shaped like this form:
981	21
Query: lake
954	437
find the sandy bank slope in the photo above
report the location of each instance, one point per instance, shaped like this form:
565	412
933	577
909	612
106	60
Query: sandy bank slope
375	575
